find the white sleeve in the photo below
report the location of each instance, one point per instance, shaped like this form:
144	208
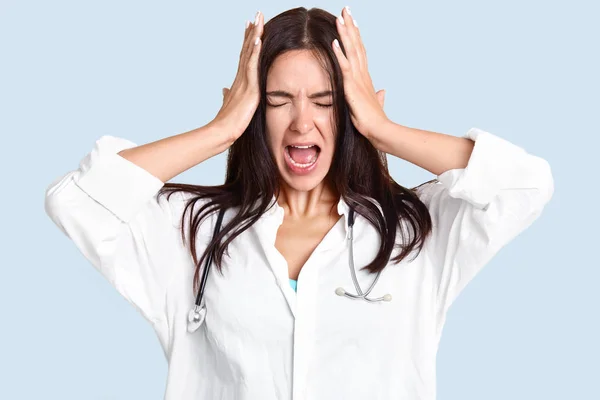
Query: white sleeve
478	209
108	207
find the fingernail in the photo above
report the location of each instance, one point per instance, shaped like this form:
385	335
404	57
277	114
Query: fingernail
256	18
355	23
256	41
247	24
337	44
341	19
348	10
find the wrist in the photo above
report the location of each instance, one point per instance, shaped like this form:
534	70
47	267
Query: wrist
221	128
217	134
382	130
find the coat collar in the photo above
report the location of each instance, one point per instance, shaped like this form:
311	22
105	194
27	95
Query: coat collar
266	230
272	219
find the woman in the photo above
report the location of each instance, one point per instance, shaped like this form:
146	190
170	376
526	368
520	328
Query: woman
307	182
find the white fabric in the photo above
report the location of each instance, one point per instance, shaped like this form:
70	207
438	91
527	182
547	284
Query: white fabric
262	340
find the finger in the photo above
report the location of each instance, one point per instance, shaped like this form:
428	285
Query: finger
247	31
352	44
342	60
256	31
257	45
249	27
253	64
381	97
259	26
248	38
346	40
356	38
226	98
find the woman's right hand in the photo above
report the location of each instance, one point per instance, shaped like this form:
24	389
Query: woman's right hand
240	102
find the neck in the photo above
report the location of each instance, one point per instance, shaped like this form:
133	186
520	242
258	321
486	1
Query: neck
300	204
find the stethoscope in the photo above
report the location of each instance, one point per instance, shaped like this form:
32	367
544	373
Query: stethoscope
197	314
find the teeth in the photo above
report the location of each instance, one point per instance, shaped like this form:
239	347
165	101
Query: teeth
302	147
299	164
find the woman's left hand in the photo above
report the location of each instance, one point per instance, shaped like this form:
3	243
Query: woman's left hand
366	105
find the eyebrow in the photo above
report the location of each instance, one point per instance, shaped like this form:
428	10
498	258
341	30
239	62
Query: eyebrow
283	93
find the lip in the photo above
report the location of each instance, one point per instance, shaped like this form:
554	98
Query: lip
303	144
297	170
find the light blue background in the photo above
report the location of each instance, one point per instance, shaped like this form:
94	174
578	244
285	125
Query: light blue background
526	327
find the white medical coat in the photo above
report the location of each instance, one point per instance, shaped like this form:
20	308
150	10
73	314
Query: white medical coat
261	340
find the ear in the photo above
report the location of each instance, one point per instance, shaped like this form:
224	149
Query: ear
381	97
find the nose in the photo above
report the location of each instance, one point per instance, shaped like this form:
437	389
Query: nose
303	122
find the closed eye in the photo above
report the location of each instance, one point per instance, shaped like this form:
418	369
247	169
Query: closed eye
318	104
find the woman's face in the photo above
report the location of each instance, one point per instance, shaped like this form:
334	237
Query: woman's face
299	110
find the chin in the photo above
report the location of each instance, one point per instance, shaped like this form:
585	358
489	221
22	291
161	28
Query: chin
305	186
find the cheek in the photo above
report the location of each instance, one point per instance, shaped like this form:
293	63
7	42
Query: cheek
274	129
275	121
325	125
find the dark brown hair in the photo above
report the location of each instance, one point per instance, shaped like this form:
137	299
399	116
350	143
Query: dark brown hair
358	170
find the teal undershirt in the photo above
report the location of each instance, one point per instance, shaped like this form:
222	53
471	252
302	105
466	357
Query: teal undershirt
293	283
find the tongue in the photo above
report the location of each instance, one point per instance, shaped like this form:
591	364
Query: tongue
302	156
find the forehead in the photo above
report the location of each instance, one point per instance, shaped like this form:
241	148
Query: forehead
297	70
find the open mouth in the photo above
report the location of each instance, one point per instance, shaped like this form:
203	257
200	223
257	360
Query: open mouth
302	157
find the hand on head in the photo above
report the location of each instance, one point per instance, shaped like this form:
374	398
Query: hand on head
241	100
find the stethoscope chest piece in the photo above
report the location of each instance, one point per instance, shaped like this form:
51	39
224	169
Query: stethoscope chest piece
197	314
196	318
340	291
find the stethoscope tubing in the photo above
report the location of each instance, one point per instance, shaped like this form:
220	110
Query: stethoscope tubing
199	307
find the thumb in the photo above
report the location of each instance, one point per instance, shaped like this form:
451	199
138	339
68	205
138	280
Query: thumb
381	97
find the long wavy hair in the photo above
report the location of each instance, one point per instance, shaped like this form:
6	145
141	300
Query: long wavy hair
358	170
